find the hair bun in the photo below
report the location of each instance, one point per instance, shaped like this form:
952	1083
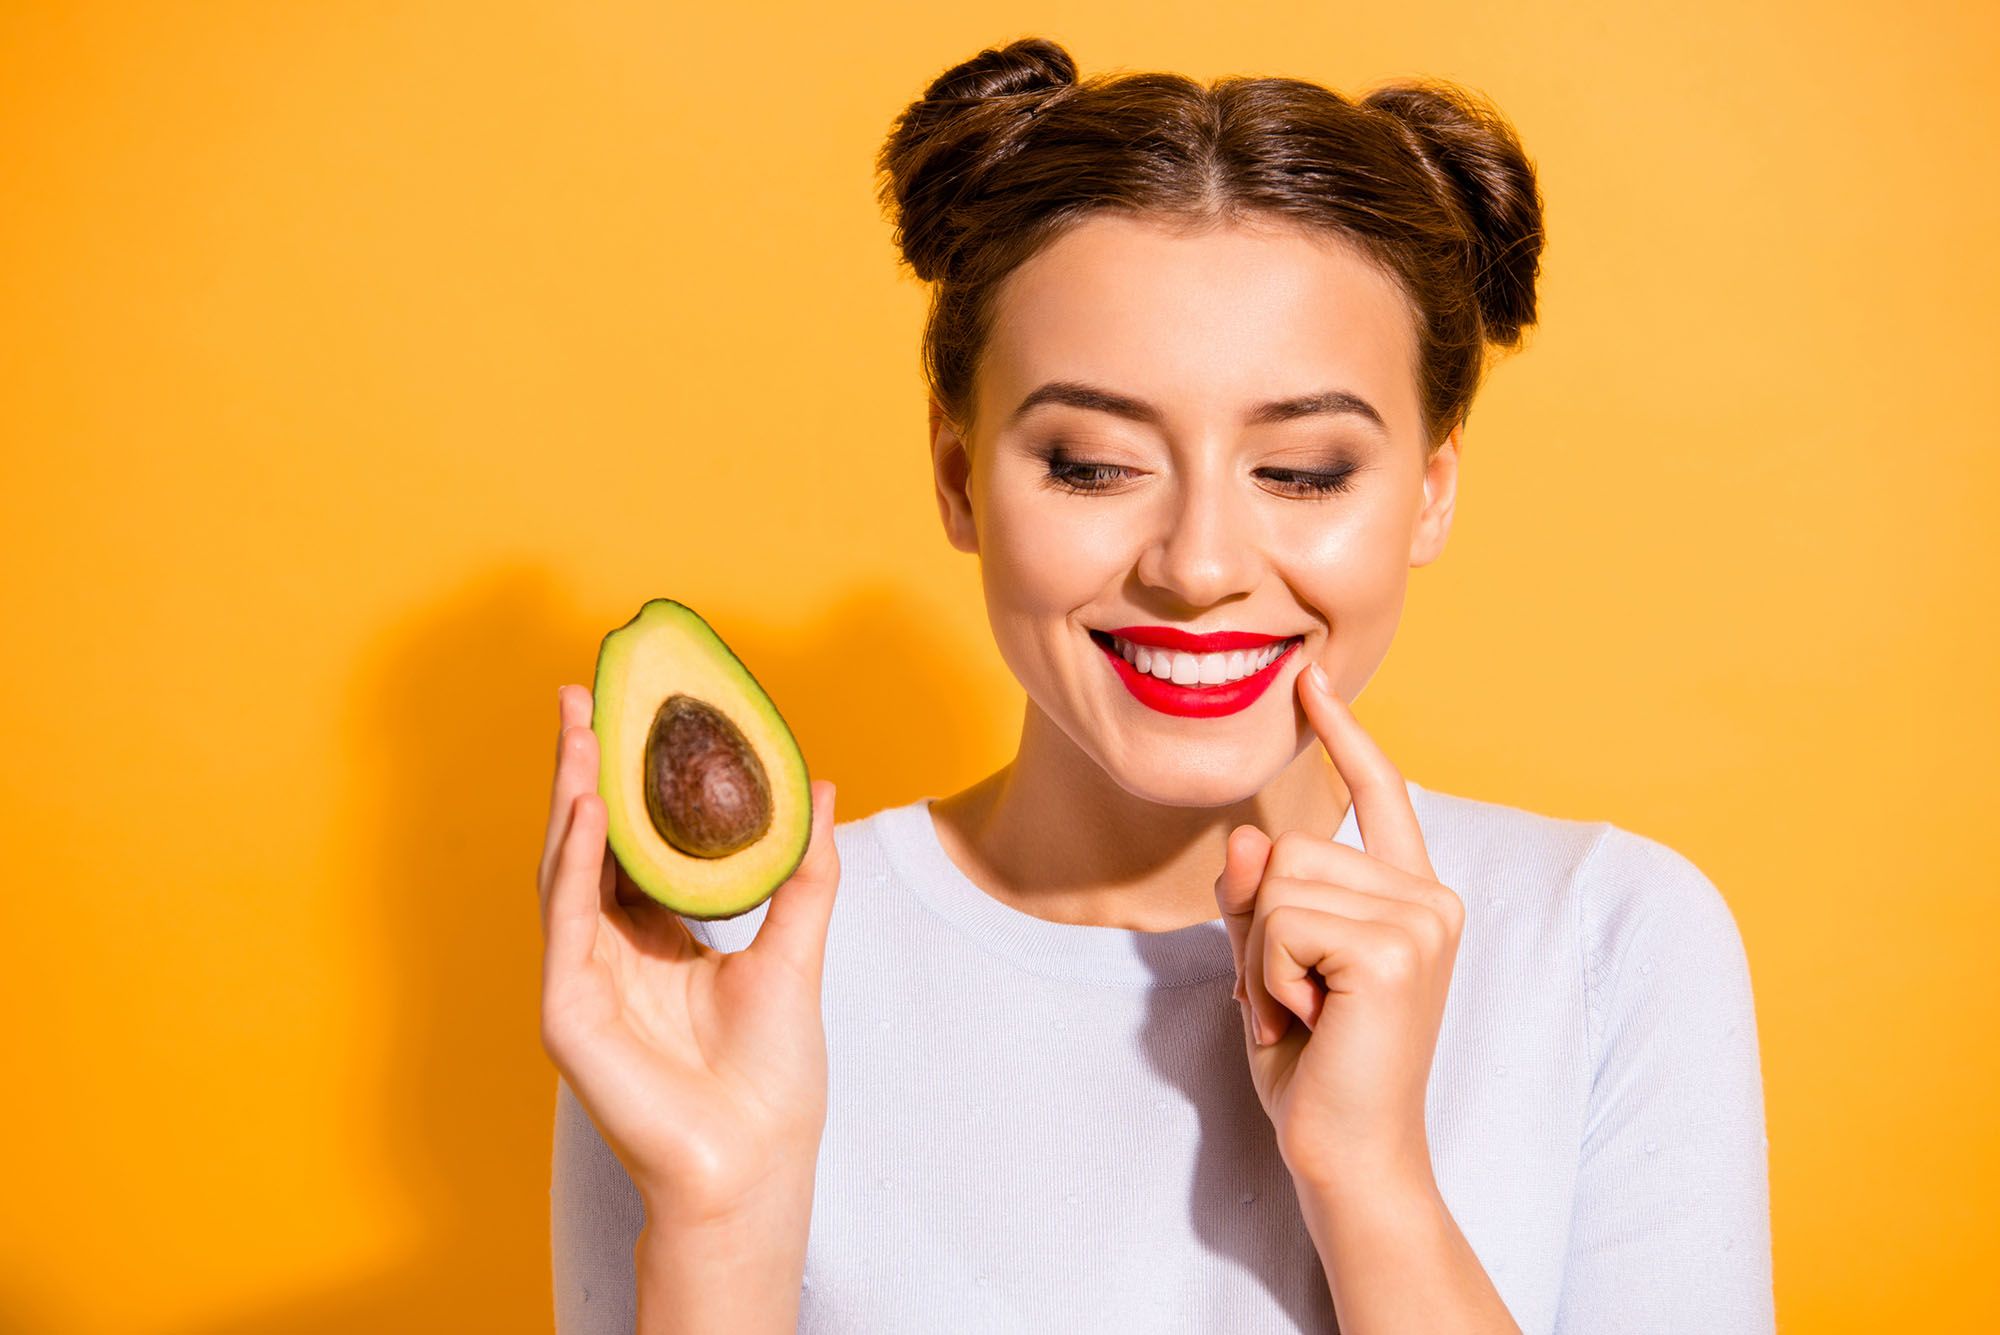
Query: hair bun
1481	171
946	146
1030	65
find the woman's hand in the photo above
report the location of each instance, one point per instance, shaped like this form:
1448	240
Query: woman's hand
1359	946
704	1070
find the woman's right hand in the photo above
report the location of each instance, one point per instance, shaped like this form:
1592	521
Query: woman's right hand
704	1070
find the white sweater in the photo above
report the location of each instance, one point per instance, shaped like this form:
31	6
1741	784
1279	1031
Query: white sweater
1037	1126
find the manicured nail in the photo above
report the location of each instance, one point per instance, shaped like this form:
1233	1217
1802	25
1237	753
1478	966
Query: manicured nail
1318	676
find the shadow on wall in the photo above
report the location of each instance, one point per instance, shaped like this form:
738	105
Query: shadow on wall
454	727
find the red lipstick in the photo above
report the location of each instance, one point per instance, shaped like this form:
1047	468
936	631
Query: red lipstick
1193	701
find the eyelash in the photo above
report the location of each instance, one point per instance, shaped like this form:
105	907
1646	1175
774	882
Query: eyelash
1067	474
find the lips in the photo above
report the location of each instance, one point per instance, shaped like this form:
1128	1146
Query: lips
1195	701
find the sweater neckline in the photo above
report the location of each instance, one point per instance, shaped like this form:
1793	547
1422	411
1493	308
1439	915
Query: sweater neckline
1106	956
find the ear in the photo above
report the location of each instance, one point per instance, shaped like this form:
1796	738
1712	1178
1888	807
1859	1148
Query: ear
951	468
1440	490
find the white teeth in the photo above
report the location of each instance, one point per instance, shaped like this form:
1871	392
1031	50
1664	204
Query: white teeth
1198	669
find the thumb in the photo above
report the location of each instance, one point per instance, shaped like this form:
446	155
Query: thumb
1246	852
794	927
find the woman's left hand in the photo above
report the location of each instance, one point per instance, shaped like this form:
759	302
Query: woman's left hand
1358	946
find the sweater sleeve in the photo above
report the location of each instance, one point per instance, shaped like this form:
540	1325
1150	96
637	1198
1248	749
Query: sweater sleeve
595	1216
1671	1226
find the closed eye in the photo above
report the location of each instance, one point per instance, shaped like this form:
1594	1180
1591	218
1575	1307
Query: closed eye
1320	483
1076	475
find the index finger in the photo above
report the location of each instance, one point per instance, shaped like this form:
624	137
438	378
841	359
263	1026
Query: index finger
1382	809
573	777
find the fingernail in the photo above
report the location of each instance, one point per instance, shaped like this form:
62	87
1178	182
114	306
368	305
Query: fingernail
1318	676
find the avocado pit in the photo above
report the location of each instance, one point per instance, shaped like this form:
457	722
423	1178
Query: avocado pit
706	790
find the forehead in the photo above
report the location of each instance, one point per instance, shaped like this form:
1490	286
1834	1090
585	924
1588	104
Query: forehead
1202	323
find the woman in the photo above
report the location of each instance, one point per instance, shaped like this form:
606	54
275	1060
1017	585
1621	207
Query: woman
1119	1038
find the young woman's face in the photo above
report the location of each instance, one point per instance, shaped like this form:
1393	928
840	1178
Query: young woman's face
1185	507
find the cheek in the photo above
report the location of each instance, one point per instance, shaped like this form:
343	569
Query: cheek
1353	568
1037	552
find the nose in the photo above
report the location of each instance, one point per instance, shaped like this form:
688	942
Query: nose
1203	547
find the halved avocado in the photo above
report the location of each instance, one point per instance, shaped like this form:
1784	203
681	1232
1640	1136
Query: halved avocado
708	805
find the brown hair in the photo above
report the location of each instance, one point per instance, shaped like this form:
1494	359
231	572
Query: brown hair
1006	149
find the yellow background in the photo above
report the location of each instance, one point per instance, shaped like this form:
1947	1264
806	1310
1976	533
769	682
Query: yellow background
362	364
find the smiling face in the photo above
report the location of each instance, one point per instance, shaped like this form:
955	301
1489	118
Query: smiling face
1153	492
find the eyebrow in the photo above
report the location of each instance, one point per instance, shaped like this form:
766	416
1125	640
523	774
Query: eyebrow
1077	394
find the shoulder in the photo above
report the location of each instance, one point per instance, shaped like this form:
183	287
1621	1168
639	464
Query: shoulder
1615	889
1466	822
1661	947
1637	892
1652	937
1613	870
1490	851
1669	1003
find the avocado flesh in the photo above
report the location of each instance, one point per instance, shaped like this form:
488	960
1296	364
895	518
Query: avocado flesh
707	801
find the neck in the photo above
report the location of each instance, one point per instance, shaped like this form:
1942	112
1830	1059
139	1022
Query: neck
1052	835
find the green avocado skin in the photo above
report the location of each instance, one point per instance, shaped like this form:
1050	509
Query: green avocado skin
663	625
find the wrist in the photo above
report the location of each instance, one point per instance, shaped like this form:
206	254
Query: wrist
739	1270
1399	1168
749	1237
1395	1258
1384	1195
778	1194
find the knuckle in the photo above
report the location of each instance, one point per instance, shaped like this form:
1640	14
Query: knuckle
1280	918
1279	924
1289	849
1394	959
567	841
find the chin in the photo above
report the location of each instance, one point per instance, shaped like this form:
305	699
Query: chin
1206	790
